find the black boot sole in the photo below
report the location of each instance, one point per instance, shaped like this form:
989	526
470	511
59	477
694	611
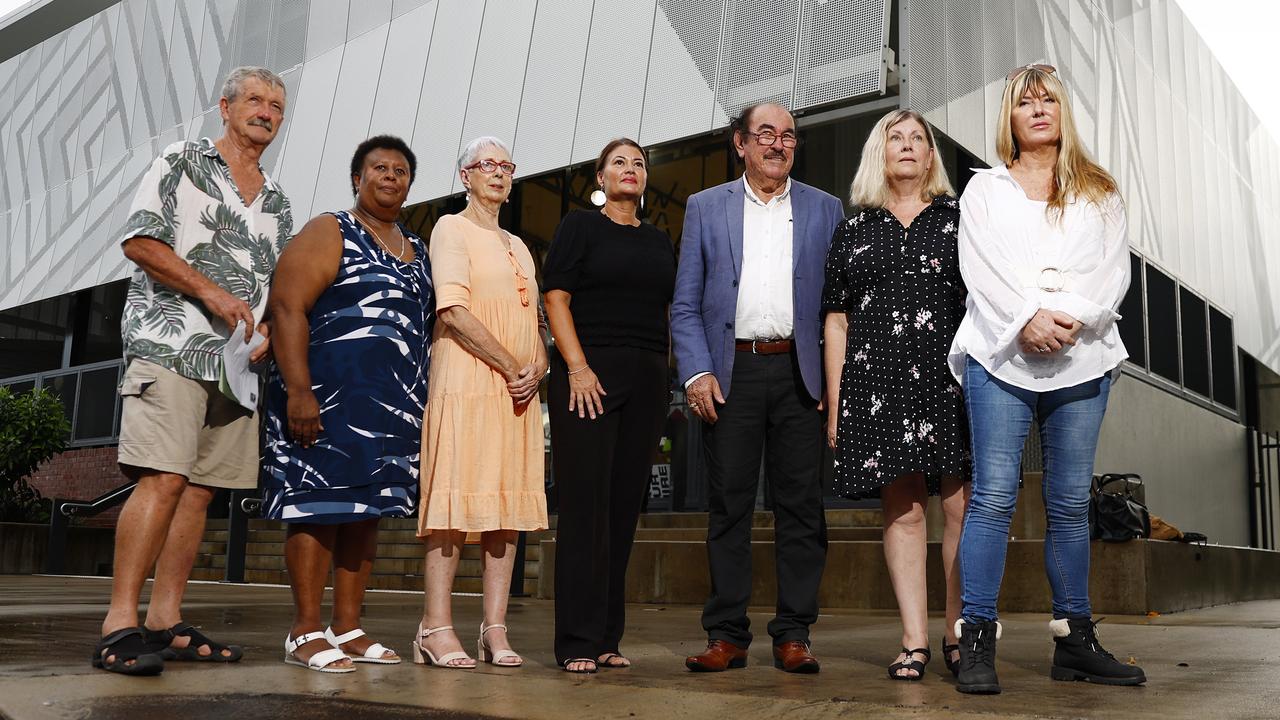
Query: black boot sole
1069	675
979	689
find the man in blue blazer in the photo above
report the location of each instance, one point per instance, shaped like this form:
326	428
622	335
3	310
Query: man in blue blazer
746	325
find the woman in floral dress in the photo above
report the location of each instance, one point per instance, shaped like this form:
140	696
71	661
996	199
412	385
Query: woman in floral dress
893	300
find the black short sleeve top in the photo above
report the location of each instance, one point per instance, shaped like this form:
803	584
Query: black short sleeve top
621	279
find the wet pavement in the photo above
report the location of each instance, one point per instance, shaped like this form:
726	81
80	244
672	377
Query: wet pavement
1221	662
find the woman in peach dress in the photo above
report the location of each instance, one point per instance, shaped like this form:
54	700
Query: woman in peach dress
482	441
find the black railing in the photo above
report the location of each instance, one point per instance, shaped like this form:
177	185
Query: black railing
1264	489
60	522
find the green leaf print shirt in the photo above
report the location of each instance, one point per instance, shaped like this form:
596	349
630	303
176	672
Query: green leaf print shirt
187	200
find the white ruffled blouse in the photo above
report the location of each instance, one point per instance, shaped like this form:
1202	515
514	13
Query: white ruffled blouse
1016	261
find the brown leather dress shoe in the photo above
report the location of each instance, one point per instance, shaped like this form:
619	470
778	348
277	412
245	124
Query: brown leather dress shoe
794	657
720	655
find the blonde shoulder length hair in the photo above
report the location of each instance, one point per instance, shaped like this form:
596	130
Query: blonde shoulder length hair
1076	176
870	186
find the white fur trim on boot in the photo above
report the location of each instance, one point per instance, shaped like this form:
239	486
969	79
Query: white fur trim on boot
1060	627
999	628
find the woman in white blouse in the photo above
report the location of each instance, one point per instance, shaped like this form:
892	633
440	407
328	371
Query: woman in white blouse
1044	255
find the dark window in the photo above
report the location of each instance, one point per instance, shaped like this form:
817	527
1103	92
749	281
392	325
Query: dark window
19	388
1132	328
1195	342
32	336
1162	324
64	387
97	414
1222	352
97	329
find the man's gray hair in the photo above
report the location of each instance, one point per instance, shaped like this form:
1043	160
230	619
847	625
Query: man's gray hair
474	147
234	84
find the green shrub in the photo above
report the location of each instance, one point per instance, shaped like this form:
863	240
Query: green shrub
33	428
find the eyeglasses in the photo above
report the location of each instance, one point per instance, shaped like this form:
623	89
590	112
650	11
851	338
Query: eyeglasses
489	167
1048	69
768	138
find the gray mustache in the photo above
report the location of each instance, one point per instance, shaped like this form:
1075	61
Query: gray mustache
261	123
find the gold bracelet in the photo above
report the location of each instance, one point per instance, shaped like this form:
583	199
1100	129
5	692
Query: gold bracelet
575	372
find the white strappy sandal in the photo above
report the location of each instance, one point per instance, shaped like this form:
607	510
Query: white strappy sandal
375	654
495	657
319	662
423	656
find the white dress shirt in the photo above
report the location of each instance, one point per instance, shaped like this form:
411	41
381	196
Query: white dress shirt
764	290
1016	261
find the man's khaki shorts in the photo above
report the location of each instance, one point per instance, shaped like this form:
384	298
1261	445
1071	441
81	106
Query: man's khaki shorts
170	423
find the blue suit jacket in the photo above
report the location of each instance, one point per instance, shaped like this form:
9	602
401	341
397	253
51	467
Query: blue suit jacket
706	297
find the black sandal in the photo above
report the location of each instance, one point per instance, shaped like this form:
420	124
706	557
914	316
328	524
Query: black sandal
910	664
952	665
196	639
584	671
606	660
133	643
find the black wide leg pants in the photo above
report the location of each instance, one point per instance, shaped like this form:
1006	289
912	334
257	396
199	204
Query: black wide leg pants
602	469
768	412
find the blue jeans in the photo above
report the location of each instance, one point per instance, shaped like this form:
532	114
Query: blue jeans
1000	415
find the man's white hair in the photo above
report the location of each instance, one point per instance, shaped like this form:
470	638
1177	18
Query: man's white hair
234	84
473	148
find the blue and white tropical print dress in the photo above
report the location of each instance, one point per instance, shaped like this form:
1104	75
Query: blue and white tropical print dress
370	346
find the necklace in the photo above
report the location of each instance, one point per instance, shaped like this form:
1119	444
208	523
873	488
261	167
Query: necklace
400	255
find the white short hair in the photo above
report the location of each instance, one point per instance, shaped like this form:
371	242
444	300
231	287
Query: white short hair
474	147
234	84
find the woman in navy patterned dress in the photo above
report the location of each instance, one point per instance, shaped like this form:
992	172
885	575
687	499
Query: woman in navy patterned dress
351	311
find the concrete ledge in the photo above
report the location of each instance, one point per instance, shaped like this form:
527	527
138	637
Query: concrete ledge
1127	578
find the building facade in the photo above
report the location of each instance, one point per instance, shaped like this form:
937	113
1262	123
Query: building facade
91	90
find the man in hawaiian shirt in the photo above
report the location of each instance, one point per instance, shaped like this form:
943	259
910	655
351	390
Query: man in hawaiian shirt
204	230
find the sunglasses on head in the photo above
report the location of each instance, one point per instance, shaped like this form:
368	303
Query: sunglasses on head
1048	69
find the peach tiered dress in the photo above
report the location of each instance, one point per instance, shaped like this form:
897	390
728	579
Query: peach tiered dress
482	458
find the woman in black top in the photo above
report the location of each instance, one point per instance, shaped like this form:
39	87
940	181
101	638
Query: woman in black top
608	279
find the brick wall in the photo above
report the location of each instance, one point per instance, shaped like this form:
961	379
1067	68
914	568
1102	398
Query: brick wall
81	474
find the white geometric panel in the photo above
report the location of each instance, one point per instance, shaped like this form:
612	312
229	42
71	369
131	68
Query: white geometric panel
299	165
681	75
366	15
552	85
349	119
493	106
924	60
442	105
965	87
841	49
404	59
613	81
326	26
758	54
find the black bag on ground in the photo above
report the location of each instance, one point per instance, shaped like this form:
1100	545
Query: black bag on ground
1115	515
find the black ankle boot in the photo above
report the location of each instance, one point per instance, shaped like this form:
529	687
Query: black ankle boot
978	657
1079	656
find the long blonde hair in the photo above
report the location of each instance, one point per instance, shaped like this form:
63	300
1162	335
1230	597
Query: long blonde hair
870	187
1075	176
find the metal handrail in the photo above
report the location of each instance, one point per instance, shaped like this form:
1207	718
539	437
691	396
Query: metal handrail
60	522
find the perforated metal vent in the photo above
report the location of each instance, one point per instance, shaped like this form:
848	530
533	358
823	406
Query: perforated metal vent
758	54
841	50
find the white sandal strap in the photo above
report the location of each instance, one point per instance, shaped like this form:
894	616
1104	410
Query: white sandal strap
293	643
500	655
450	657
496	626
344	638
428	632
377	651
324	658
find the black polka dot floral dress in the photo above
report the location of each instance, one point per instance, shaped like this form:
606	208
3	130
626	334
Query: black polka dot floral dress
900	410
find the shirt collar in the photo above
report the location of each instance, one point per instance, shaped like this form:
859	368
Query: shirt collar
751	195
207	147
1000	171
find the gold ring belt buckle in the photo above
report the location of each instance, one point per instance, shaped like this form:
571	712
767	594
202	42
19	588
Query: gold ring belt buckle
1056	281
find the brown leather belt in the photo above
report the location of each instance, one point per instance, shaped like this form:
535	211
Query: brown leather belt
763	347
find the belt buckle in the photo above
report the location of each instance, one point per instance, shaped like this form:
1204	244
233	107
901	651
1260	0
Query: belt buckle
753	346
1056	274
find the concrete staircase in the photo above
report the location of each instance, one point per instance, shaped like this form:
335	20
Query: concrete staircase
397	567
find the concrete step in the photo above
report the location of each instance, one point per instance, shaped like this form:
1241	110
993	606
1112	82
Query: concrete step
1133	578
845	517
757	534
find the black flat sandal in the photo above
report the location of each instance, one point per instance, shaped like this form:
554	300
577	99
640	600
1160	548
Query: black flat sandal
607	660
133	643
952	665
196	639
584	671
910	664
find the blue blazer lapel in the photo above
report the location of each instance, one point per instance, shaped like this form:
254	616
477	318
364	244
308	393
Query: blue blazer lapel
799	216
733	215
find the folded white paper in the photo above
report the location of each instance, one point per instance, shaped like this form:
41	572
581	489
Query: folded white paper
239	379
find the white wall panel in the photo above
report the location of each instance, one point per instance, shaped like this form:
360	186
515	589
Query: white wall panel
349	119
999	56
841	48
552	85
679	94
326	26
497	80
366	15
184	52
966	120
925	61
758	54
300	165
96	97
405	59
443	105
217	23
613	80
59	146
49	80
